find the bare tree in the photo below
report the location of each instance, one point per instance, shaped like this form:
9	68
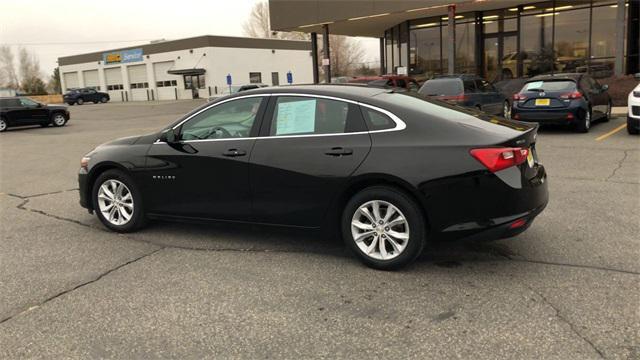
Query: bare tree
346	53
30	74
8	77
258	25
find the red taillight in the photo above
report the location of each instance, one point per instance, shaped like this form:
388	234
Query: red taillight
496	159
519	97
458	98
518	224
569	116
571	95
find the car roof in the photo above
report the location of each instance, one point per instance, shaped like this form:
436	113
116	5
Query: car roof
457	76
561	76
354	92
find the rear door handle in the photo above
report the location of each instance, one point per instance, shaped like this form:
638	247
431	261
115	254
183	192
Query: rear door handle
339	151
234	152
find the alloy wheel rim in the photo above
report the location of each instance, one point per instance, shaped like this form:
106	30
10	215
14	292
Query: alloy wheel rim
115	202
380	230
59	120
3	125
587	120
507	111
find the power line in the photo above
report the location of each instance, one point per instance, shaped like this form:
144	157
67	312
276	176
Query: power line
73	43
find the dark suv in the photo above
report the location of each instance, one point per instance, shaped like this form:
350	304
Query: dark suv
19	111
469	91
80	96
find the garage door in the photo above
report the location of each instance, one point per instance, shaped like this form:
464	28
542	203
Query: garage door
138	82
113	78
91	79
165	83
70	80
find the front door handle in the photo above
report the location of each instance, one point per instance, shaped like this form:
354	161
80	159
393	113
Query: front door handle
338	151
234	152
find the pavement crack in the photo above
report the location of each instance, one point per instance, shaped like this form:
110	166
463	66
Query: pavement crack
83	284
591	267
613	173
559	315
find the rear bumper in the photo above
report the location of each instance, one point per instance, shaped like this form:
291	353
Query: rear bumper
547	116
484	207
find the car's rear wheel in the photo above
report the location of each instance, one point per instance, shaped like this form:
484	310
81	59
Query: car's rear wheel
506	110
584	122
118	202
79	101
607	116
58	120
104	99
384	227
3	124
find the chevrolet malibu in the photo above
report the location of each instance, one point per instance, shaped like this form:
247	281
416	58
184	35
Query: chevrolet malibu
389	170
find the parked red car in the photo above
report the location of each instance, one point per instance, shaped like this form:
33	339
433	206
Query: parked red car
400	81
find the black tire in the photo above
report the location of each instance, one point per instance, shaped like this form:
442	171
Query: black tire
506	110
607	115
407	206
631	129
79	101
104	99
138	219
3	124
584	122
71	103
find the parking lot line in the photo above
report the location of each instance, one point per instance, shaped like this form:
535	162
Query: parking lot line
602	137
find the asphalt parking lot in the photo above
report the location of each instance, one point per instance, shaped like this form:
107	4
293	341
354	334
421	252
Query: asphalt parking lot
568	288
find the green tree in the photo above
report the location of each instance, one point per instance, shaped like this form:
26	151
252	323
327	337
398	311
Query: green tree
54	82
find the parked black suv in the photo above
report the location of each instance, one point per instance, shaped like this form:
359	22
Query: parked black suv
20	111
80	96
469	91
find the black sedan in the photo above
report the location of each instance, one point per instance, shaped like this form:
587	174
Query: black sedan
22	111
390	170
80	96
570	99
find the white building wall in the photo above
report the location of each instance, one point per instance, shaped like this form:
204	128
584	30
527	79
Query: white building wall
217	62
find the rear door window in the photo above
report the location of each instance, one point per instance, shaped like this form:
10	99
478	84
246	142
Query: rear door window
469	86
440	87
301	115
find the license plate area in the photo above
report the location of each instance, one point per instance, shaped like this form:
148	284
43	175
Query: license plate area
543	102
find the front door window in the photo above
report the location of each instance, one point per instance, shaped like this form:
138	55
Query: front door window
233	119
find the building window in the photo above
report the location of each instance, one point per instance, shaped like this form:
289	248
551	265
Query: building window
255	77
425	50
571	42
275	79
166	83
140	85
465	48
389	52
536	44
115	87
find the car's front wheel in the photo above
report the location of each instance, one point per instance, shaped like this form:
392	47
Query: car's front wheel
104	99
79	101
384	227
117	201
3	124
58	120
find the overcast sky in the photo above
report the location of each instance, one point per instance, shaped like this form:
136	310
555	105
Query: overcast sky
53	29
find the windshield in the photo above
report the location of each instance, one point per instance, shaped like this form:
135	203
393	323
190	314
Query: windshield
439	87
549	86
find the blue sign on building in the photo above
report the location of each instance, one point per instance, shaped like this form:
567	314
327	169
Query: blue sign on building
123	56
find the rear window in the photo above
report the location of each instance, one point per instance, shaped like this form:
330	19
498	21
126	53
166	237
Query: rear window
549	86
438	87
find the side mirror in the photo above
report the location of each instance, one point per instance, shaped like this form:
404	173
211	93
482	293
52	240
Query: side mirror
170	136
604	87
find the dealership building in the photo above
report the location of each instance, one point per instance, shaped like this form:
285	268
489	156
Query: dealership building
190	68
496	39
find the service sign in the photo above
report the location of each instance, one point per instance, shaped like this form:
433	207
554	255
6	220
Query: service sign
124	56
